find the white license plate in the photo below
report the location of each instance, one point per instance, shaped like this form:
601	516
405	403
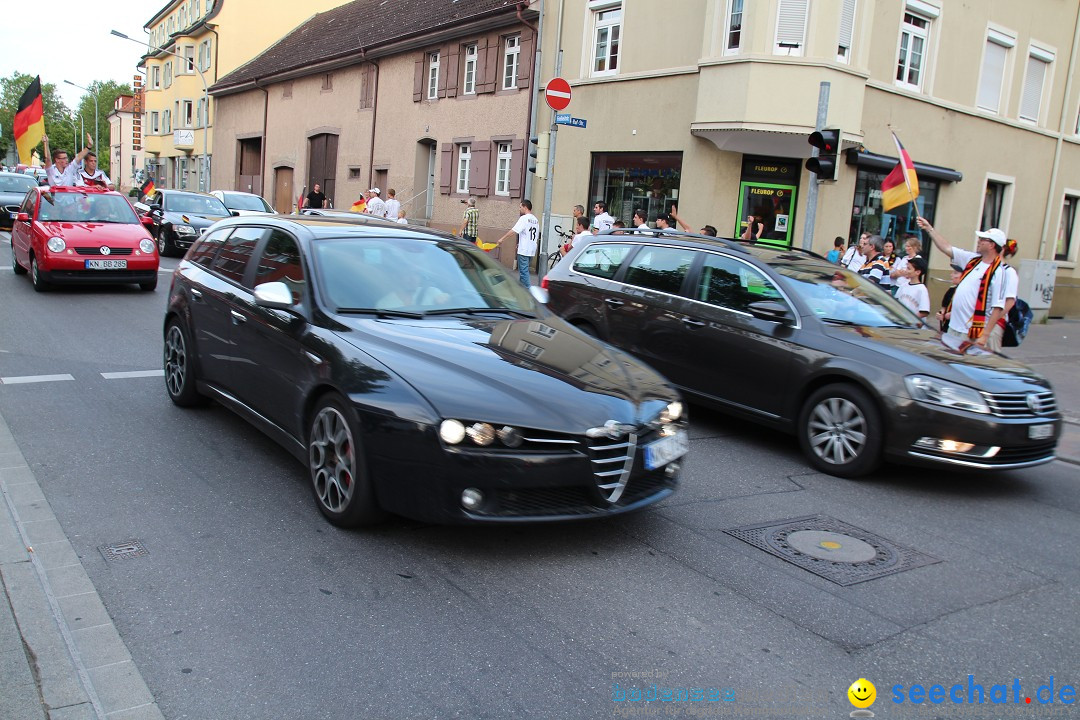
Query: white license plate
106	264
1040	432
660	452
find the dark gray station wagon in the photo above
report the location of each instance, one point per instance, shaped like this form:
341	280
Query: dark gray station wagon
786	339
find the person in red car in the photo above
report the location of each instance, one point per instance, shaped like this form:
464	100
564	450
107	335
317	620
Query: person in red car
93	176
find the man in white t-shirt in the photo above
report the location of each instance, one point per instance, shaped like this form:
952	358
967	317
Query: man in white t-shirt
640	221
602	221
527	229
854	258
974	311
57	168
392	205
375	205
93	176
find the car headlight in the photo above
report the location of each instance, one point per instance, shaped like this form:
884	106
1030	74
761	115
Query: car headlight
183	230
452	431
482	434
146	245
947	394
56	244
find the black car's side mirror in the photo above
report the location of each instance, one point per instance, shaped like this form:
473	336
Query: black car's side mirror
234	213
771	311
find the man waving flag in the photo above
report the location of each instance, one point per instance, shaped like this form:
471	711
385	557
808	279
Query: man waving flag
29	125
902	184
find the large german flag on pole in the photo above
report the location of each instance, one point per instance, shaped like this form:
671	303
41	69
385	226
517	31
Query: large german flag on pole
29	123
902	184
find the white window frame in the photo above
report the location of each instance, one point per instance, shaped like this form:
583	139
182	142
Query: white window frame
166	122
204	55
848	12
432	92
155	77
928	14
463	167
997	39
1008	193
611	26
502	169
735	7
187	114
168	74
468	79
511	61
155	122
1045	56
1071	245
188	66
787	18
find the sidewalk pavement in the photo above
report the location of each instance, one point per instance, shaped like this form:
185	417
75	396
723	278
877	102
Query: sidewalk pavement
61	657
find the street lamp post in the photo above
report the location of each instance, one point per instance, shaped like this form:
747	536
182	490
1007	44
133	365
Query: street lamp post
203	180
95	111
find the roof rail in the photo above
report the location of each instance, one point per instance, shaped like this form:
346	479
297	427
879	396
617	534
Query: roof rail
730	243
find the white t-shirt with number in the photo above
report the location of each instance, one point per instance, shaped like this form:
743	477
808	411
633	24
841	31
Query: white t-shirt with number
603	222
528	230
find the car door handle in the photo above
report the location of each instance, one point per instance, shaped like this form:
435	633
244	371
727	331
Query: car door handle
694	323
196	294
613	302
238	318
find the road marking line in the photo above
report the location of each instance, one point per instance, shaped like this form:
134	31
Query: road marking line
33	379
133	374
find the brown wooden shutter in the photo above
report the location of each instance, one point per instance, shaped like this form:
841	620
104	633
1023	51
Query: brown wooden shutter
525	59
492	69
366	78
479	169
451	66
444	53
418	79
482	76
517	167
446	169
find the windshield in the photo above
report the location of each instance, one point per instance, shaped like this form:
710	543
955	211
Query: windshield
242	201
195	204
838	295
16	184
85	207
414	276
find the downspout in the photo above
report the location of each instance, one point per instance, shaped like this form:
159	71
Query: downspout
374	119
531	127
1050	197
262	145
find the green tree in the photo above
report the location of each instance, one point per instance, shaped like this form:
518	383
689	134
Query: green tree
57	115
107	92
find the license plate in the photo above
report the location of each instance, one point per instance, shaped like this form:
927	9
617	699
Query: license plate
13	215
1040	432
106	264
660	452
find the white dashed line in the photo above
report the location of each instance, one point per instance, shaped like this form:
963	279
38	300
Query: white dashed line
133	374
33	379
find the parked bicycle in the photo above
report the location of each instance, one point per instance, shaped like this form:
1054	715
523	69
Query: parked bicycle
553	258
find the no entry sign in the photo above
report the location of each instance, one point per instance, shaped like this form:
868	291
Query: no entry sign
557	94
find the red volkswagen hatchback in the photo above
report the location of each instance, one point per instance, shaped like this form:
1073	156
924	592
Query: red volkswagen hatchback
81	235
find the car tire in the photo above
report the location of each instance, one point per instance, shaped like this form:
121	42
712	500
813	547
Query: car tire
165	248
40	283
15	266
339	479
840	430
149	286
587	328
180	382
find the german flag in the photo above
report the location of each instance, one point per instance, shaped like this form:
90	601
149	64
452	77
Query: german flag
29	125
148	187
902	184
359	206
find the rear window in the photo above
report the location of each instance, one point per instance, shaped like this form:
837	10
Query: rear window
601	259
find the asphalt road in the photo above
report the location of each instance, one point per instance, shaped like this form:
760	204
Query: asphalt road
248	605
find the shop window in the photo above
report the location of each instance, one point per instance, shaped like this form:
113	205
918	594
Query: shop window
867	215
635	180
1064	248
607	28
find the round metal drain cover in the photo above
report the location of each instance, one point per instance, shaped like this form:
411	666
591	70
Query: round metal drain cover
831	546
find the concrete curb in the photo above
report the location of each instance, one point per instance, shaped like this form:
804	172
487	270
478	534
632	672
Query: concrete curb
61	657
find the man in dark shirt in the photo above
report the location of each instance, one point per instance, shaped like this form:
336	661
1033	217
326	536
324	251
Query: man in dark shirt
315	198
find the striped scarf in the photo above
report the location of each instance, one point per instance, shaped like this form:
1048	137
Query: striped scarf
978	317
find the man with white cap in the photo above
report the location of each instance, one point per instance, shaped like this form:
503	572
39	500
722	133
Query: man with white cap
979	300
375	205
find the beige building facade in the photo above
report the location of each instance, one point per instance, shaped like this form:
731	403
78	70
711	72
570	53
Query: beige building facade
435	105
125	140
707	105
190	44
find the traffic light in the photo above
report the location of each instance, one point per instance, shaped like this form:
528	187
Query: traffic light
826	163
538	153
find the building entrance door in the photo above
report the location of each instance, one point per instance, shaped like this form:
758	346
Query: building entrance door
767	193
283	190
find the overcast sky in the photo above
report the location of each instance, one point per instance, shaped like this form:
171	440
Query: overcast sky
70	40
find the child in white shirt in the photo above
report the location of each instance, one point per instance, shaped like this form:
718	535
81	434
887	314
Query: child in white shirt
913	294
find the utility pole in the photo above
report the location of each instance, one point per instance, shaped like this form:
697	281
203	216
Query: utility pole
812	197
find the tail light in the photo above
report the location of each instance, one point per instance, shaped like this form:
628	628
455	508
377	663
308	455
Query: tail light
544	283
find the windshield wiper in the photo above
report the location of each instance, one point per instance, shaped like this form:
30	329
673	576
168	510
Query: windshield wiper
838	321
479	311
381	313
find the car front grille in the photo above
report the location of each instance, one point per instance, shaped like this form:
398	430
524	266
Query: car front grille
570	500
97	251
612	460
1023	453
1021	405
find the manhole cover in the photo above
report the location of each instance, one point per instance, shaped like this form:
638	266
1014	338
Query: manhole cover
838	552
124	550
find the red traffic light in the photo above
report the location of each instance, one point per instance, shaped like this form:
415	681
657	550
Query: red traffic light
827	140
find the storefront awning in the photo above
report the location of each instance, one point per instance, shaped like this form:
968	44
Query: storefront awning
755	141
873	161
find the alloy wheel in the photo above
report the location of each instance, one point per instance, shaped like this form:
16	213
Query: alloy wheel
837	430
332	459
176	361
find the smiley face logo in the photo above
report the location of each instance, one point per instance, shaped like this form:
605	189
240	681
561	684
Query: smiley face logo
862	693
